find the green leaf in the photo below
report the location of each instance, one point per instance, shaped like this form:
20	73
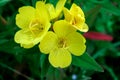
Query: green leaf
111	72
54	73
97	1
42	59
33	59
87	62
3	2
109	7
100	53
51	73
34	2
77	2
44	64
2	41
12	48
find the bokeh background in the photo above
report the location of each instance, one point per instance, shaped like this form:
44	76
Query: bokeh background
103	44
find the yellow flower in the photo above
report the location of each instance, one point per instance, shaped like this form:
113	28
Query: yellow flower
55	12
34	24
75	17
61	43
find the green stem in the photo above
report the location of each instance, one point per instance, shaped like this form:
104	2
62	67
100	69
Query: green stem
111	72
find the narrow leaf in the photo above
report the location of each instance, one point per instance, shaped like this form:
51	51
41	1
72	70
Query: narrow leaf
110	7
87	62
44	64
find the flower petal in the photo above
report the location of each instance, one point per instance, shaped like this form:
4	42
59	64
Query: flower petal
75	10
55	12
60	6
76	43
62	28
26	14
48	42
83	28
76	18
25	38
68	16
30	45
42	12
51	11
60	57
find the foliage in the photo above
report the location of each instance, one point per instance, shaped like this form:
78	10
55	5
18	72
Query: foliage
17	63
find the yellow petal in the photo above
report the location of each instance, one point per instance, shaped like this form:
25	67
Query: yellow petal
42	12
60	6
75	10
76	18
24	38
83	28
30	45
39	30
79	23
48	42
24	17
55	12
68	16
76	43
79	20
63	28
60	57
43	18
51	10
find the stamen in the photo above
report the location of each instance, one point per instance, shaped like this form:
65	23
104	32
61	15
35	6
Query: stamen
36	27
74	21
62	43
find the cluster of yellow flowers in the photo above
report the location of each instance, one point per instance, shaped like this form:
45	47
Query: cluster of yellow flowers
57	37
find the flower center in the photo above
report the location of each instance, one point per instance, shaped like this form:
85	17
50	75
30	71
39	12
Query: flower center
74	21
62	43
36	27
78	19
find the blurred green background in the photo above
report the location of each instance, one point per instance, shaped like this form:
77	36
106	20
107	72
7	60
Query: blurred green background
17	63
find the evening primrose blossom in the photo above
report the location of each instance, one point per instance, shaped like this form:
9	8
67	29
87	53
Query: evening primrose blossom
59	39
75	17
61	43
55	12
34	24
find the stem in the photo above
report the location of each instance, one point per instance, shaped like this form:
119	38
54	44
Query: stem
4	22
111	72
62	74
14	70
